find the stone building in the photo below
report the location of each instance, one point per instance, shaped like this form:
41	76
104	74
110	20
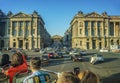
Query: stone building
25	31
95	31
57	41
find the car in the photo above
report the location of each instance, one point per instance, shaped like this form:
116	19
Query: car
13	50
51	55
73	52
59	54
76	57
44	58
42	51
36	50
96	58
83	53
104	50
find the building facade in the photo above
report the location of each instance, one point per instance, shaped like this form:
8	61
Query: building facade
95	31
26	31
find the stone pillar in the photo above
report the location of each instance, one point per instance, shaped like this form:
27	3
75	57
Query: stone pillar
102	29
96	28
90	29
30	29
17	29
17	43
90	43
114	30
24	43
11	29
23	28
83	29
30	43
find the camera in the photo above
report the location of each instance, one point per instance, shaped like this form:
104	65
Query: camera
76	70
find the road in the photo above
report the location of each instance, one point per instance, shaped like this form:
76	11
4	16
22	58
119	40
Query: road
109	68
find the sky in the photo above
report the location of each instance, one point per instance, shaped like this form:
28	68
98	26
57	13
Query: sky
57	14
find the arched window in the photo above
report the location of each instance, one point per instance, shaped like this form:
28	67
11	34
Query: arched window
117	42
112	42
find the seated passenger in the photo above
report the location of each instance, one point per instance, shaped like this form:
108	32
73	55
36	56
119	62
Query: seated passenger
68	77
5	60
35	65
17	64
88	77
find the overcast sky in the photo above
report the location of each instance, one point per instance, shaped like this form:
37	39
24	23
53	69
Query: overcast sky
57	14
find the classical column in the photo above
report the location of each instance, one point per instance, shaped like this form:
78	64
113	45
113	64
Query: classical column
30	29
30	43
23	28
90	28
90	43
114	29
17	43
17	29
83	29
101	29
24	43
96	27
11	29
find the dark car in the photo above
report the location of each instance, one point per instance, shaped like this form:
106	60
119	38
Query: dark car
44	58
59	54
76	57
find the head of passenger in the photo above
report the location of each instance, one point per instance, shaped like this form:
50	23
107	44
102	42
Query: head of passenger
5	59
17	59
67	77
88	77
35	63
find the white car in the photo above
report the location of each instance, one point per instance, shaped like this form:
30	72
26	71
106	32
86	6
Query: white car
96	58
82	53
103	50
73	52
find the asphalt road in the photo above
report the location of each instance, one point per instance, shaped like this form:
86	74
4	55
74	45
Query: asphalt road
109	69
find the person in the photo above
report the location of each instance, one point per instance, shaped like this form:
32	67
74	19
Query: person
5	60
68	77
35	66
88	77
18	64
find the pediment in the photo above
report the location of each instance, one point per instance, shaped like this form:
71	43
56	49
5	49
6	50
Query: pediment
94	14
21	15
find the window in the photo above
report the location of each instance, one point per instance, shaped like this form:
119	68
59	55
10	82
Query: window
8	31
14	23
21	23
80	42
111	29
14	44
33	31
20	33
27	23
27	33
80	31
14	33
81	24
92	24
